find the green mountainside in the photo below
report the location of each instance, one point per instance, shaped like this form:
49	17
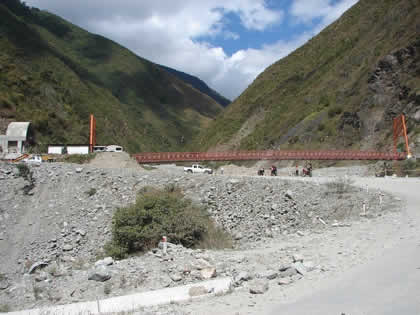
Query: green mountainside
55	74
340	90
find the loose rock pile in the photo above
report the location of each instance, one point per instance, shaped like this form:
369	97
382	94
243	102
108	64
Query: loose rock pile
51	237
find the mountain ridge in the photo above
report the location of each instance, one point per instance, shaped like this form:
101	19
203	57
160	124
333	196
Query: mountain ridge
54	74
311	98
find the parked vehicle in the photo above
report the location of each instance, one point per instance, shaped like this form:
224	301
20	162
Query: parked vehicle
114	148
196	168
99	148
48	158
307	172
109	148
33	159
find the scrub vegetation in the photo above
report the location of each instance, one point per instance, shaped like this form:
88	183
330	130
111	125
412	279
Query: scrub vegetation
156	213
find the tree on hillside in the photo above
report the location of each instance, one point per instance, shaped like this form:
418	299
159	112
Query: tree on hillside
18	7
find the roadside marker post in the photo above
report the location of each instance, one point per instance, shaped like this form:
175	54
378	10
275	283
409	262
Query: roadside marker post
164	245
363	209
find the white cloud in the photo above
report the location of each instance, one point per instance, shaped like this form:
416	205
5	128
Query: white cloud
325	10
170	32
231	35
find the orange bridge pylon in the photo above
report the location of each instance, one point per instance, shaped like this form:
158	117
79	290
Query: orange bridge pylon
92	133
400	130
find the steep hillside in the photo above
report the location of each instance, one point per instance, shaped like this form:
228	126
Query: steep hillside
339	90
54	74
199	85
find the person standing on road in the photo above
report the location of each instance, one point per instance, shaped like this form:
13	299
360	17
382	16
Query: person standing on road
297	170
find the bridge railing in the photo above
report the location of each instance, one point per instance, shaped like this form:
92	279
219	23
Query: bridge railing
160	157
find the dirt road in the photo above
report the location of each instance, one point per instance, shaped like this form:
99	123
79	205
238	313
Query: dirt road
390	284
380	273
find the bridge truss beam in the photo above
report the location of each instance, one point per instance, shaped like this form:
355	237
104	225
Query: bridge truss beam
165	157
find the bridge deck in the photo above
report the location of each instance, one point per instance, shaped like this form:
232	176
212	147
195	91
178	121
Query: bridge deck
162	157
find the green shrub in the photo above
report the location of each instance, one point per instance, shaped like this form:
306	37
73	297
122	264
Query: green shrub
91	192
4	308
140	226
401	147
24	171
215	238
324	100
410	167
27	174
333	111
410	164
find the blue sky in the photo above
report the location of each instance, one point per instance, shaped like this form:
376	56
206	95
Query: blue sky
242	38
226	43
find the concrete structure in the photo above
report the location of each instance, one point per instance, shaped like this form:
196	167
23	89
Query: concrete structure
133	302
18	137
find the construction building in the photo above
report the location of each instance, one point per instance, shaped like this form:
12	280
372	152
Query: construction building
19	137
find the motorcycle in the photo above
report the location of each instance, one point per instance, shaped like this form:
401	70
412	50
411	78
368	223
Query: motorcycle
307	172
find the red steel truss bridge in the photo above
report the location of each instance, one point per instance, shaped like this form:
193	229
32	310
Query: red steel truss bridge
399	127
167	157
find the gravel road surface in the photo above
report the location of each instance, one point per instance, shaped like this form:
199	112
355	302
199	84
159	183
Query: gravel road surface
373	267
390	284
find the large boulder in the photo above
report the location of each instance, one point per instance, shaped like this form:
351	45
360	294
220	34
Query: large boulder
242	276
99	274
107	261
258	286
291	271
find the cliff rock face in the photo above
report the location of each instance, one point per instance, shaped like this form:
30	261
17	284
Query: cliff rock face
389	90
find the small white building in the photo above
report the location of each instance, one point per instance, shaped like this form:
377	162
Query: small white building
56	149
77	149
68	149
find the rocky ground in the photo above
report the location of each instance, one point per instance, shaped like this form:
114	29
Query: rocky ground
53	228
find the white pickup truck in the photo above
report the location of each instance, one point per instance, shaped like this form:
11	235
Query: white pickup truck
196	168
34	159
